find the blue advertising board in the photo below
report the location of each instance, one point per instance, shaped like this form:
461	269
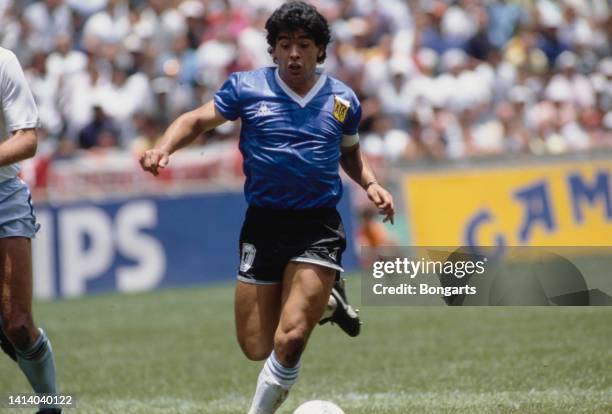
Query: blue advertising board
136	244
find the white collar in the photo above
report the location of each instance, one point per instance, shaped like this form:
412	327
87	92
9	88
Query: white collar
301	100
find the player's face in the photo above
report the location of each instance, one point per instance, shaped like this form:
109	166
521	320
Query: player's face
296	55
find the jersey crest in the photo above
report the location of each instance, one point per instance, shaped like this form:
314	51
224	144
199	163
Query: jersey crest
341	108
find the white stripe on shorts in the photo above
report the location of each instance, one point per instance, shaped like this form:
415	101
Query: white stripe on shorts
255	282
322	263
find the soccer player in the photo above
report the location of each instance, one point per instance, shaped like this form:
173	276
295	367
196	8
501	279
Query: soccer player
298	126
19	337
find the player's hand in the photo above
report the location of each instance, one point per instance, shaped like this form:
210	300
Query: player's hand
383	201
154	159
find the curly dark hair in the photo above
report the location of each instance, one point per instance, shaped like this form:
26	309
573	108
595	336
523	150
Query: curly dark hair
297	15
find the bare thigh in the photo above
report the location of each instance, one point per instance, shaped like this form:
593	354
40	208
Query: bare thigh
306	289
257	310
16	290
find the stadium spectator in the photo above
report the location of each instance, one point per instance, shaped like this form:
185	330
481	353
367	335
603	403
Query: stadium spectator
45	86
107	26
433	35
64	61
47	20
394	93
503	19
147	133
100	132
480	45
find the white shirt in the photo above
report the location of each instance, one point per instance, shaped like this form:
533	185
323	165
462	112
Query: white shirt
17	106
107	27
47	23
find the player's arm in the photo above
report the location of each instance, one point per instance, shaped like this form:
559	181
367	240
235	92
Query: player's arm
181	133
20	113
20	146
355	164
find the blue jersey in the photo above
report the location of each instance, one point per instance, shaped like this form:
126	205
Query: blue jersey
290	144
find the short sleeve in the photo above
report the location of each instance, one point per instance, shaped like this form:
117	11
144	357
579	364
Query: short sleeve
18	104
227	98
351	125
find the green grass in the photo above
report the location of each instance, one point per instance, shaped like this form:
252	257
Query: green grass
175	352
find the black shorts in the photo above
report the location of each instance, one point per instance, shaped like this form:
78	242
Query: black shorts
271	238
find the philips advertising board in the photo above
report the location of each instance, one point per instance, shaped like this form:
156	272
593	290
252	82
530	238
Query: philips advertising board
136	244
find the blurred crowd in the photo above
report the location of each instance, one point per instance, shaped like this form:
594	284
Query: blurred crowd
437	79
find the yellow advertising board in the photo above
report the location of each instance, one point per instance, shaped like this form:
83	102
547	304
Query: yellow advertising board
567	204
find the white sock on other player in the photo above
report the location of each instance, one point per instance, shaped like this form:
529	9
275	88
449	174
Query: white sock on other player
38	366
273	385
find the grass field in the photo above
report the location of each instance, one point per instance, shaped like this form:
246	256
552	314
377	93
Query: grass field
175	352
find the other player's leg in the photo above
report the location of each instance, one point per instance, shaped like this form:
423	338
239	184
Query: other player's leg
32	347
340	312
5	344
306	289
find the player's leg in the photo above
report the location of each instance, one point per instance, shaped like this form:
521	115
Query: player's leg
16	281
256	309
5	344
258	289
340	312
306	289
33	348
324	242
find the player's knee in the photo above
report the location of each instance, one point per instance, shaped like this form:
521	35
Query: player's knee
290	344
18	329
255	349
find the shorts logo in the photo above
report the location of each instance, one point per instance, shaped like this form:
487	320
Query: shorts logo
341	108
247	257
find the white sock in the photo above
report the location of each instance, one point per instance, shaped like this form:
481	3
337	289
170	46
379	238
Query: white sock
273	385
332	304
38	365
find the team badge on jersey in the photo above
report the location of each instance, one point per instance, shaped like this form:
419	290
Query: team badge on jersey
341	108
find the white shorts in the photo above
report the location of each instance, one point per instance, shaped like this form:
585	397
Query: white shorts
17	217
